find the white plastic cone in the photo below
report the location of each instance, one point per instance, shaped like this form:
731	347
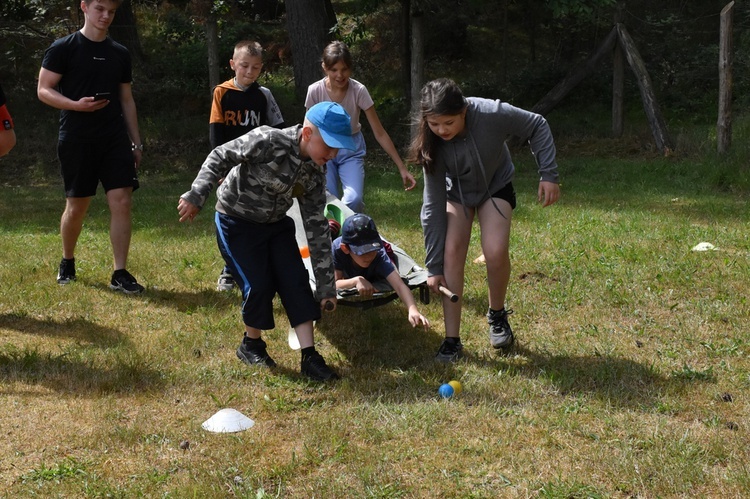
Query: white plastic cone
704	246
228	421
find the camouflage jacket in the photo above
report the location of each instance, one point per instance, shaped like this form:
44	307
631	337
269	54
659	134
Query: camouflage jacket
263	172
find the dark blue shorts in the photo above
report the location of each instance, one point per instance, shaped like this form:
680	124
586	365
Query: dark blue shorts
265	260
84	165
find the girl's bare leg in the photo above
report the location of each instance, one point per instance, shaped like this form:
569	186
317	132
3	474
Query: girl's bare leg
458	234
495	247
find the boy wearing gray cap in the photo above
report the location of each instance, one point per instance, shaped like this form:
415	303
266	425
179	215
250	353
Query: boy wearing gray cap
263	171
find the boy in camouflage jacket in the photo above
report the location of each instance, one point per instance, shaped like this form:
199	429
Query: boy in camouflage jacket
263	171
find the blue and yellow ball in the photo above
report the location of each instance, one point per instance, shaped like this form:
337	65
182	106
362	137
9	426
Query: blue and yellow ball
446	391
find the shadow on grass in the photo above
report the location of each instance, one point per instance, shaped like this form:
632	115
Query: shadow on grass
182	301
78	329
616	380
73	372
396	364
380	337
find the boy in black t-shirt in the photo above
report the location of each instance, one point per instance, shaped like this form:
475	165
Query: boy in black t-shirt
240	105
88	77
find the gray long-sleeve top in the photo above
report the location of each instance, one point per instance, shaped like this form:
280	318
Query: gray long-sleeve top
469	168
263	172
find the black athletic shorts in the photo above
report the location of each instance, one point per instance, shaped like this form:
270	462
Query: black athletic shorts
508	194
84	165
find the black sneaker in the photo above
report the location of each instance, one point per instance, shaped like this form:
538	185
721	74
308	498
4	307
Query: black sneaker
314	367
225	282
501	335
67	271
122	280
253	352
450	350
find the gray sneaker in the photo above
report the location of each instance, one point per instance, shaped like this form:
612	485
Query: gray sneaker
225	282
501	335
450	350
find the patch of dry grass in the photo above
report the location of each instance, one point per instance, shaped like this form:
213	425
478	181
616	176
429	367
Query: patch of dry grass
630	377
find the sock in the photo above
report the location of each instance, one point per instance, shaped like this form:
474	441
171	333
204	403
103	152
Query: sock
306	352
252	341
452	340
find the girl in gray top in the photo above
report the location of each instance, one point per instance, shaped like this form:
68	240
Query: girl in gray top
461	145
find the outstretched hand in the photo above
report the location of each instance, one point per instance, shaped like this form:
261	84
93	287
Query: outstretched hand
548	193
187	210
408	179
417	319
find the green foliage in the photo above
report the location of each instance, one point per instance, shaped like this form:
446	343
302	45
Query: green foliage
66	469
577	8
518	62
21	10
350	29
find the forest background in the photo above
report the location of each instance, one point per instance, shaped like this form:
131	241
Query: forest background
631	370
514	50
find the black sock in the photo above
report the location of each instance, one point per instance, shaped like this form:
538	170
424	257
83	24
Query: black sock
306	352
253	341
452	340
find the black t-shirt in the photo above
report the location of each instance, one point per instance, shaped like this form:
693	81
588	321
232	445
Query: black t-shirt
2	97
235	112
87	68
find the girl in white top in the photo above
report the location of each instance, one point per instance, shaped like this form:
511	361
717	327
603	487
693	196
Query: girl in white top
349	166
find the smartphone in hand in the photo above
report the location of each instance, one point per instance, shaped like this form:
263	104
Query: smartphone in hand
101	95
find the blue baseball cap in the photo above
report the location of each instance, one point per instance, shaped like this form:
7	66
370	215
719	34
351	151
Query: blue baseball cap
360	234
334	124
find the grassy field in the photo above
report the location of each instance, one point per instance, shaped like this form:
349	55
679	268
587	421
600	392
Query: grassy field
630	377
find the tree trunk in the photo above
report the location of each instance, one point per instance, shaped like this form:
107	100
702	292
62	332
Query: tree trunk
653	113
504	46
212	44
124	30
406	48
618	81
724	124
554	96
308	23
618	86
417	66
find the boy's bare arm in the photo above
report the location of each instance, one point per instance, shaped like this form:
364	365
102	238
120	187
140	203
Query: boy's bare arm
401	289
404	293
363	286
46	91
131	120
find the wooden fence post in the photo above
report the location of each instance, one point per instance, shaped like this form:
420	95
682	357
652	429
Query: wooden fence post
653	113
724	123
